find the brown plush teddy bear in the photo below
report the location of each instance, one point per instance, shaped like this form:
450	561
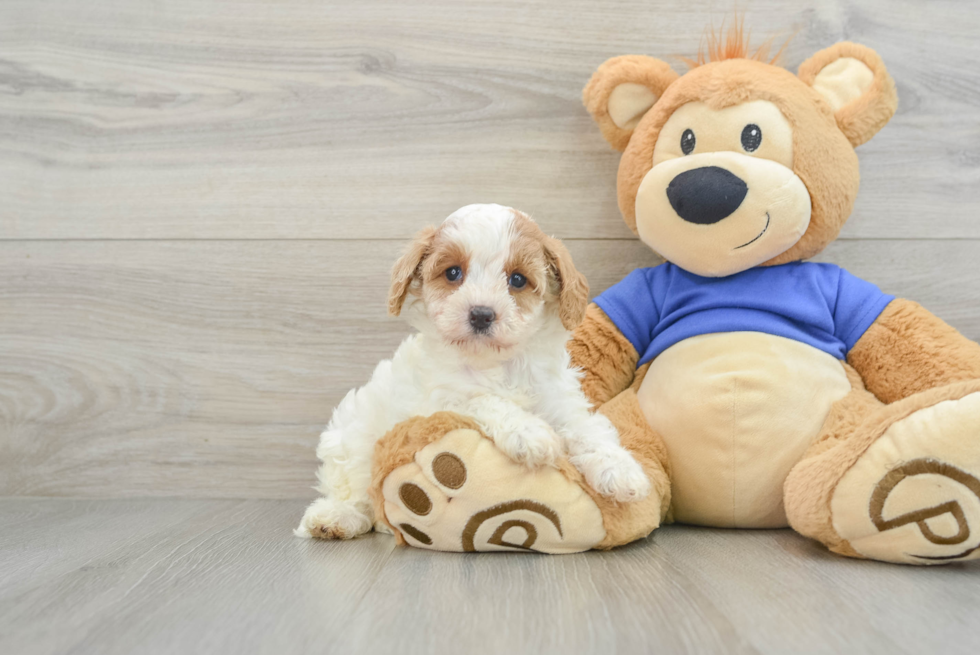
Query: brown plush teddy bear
756	389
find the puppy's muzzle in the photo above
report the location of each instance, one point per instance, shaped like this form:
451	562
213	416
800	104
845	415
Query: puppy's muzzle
481	318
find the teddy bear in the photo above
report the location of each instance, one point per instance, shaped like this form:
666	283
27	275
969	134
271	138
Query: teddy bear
756	389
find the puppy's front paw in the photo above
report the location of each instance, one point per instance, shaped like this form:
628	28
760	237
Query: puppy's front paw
613	472
532	443
331	519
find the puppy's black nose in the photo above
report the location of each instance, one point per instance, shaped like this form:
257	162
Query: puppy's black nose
706	195
481	318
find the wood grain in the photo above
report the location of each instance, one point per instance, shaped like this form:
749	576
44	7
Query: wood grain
173	576
209	368
683	590
338	119
169	576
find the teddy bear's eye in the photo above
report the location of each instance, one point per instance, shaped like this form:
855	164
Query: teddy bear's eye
751	137
687	142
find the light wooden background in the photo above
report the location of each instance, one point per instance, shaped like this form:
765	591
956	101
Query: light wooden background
200	201
168	576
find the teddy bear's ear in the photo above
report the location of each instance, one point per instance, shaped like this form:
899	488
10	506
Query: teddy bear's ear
621	91
854	81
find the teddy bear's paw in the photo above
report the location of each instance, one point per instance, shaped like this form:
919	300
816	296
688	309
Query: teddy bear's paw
613	472
914	496
461	493
327	518
532	443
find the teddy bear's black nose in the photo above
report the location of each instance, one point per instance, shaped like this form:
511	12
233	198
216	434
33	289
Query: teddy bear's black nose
706	195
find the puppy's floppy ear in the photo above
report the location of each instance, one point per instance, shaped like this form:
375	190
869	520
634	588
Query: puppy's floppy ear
854	81
621	91
573	288
406	269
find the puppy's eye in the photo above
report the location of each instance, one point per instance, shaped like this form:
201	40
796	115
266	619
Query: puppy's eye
454	273
687	142
517	280
751	137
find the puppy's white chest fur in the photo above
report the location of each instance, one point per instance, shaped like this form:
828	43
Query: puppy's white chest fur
440	381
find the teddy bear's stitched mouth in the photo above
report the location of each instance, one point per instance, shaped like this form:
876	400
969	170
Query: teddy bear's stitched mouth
759	236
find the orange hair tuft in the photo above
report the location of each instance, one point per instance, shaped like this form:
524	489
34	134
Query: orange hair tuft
733	44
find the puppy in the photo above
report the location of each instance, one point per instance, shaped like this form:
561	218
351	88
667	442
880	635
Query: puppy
493	299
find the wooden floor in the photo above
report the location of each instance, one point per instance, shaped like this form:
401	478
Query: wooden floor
226	576
199	204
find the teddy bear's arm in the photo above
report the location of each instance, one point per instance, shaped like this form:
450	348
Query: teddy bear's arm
908	350
606	357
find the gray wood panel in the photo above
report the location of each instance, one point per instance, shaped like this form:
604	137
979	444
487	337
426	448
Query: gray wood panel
174	576
209	368
341	119
683	590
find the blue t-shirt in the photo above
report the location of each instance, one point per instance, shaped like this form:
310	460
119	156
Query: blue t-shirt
818	304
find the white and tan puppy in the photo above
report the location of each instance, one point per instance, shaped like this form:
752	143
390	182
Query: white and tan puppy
493	299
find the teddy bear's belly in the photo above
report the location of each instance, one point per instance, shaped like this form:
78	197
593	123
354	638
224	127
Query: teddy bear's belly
736	411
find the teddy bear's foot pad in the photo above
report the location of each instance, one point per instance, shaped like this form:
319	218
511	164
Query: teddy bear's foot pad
914	496
462	494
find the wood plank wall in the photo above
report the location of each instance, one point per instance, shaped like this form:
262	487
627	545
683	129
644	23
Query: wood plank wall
200	201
